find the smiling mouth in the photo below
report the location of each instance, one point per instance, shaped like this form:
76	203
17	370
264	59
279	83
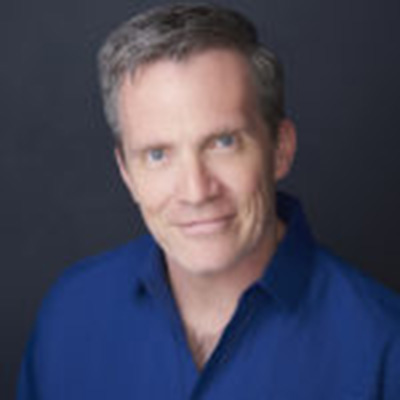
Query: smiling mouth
206	226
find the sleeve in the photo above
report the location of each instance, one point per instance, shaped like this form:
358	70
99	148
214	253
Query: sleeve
391	380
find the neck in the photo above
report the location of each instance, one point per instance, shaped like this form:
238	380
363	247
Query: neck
207	302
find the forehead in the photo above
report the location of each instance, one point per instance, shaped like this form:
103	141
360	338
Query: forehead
212	87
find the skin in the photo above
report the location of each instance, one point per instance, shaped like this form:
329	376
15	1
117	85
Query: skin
200	162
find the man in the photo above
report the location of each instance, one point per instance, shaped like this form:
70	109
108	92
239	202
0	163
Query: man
230	297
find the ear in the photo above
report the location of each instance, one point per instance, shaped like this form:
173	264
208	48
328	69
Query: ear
123	170
285	148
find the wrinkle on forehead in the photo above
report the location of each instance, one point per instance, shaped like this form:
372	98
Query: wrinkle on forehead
214	82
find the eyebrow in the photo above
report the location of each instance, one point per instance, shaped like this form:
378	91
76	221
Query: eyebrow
220	132
140	151
245	130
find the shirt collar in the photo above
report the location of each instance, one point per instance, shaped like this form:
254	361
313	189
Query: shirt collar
286	276
152	275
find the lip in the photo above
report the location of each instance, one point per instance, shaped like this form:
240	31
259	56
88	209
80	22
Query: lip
205	226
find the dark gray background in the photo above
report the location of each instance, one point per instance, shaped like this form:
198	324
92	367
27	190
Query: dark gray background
61	198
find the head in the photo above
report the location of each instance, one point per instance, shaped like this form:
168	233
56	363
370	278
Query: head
177	32
196	106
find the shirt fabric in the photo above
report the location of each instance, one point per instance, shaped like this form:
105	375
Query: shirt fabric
311	328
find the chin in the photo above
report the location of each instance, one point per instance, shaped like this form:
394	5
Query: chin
203	262
206	254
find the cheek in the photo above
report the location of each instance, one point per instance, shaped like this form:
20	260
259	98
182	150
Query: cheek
253	189
152	191
247	178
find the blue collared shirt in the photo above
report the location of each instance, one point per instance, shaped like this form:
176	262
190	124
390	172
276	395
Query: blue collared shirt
311	328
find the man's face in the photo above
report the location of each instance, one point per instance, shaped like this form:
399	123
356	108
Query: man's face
199	160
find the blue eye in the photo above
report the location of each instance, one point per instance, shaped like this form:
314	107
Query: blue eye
225	140
155	155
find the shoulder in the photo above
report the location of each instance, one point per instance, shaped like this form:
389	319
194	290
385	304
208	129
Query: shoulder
359	318
85	309
119	263
96	283
356	295
109	264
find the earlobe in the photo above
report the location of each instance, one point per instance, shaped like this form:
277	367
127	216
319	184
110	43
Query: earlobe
286	144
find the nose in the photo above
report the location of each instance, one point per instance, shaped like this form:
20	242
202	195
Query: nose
197	184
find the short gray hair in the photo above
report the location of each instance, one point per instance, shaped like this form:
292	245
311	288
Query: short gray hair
176	32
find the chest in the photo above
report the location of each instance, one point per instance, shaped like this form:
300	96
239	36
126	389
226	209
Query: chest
202	345
260	355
